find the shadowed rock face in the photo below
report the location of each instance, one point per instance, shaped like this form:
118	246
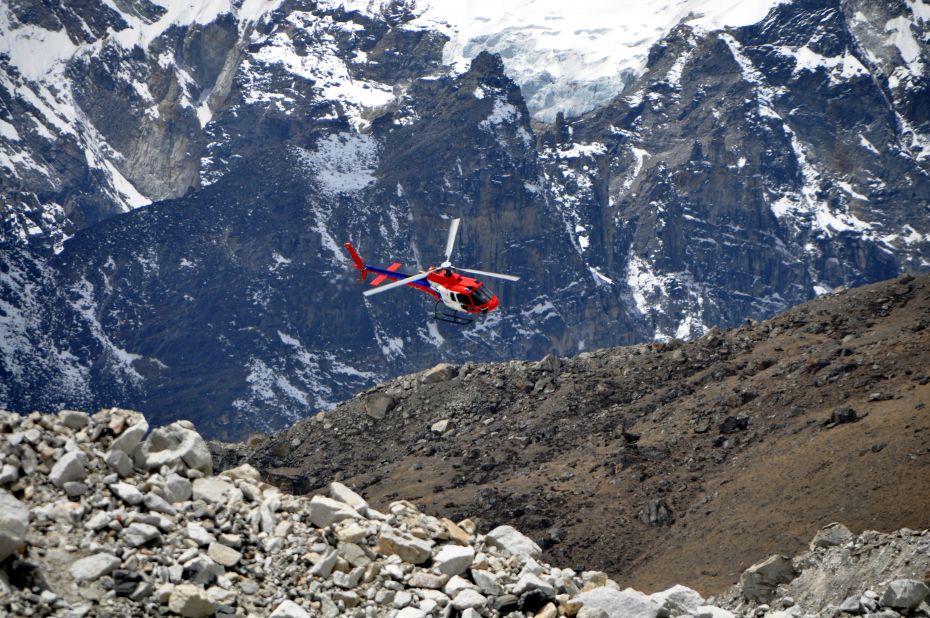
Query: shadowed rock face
742	172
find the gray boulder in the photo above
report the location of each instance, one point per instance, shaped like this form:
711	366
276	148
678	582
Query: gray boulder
118	461
69	467
139	534
129	494
904	594
94	567
627	603
759	581
14	521
678	600
213	490
513	541
325	511
344	494
178	488
440	373
831	535
131	437
72	419
175	444
453	559
377	406
289	609
191	601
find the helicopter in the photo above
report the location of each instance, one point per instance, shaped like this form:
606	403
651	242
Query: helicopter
457	296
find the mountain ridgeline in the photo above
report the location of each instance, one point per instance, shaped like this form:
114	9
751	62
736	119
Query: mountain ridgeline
743	172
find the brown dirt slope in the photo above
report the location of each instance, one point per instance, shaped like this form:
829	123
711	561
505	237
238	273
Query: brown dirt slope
662	463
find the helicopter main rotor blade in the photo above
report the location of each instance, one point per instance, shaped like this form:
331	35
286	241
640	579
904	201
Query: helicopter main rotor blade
487	274
450	242
397	284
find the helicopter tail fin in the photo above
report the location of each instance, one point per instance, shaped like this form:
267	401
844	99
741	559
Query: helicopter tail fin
359	264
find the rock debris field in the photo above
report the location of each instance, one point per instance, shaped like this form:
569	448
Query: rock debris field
683	461
101	517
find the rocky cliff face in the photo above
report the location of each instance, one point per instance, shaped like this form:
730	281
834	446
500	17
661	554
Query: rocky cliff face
742	172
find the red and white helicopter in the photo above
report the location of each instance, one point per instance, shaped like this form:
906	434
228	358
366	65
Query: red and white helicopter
463	295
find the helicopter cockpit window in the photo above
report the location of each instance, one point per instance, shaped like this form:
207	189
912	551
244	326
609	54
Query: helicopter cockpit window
481	296
462	299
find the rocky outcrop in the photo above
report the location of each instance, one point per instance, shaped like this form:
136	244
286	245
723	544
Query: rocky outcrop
658	452
871	574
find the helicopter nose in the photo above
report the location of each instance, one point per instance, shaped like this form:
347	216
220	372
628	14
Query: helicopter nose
493	304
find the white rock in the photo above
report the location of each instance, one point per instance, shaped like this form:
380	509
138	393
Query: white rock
469	598
8	474
711	611
453	559
221	596
410	548
289	609
487	582
69	467
191	601
139	534
245	472
352	533
94	567
402	599
14	522
227	556
177	488
73	419
588	611
127	493
199	534
440	426
411	612
512	541
212	490
456	584
904	594
174	444
678	599
130	438
529	581
99	521
343	494
627	603
325	511
157	504
325	564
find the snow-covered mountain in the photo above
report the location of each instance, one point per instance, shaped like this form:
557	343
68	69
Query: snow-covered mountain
573	58
179	179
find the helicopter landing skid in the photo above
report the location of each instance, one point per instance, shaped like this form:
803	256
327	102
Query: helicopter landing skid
452	318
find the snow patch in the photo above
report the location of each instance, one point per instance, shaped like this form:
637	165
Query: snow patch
342	162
